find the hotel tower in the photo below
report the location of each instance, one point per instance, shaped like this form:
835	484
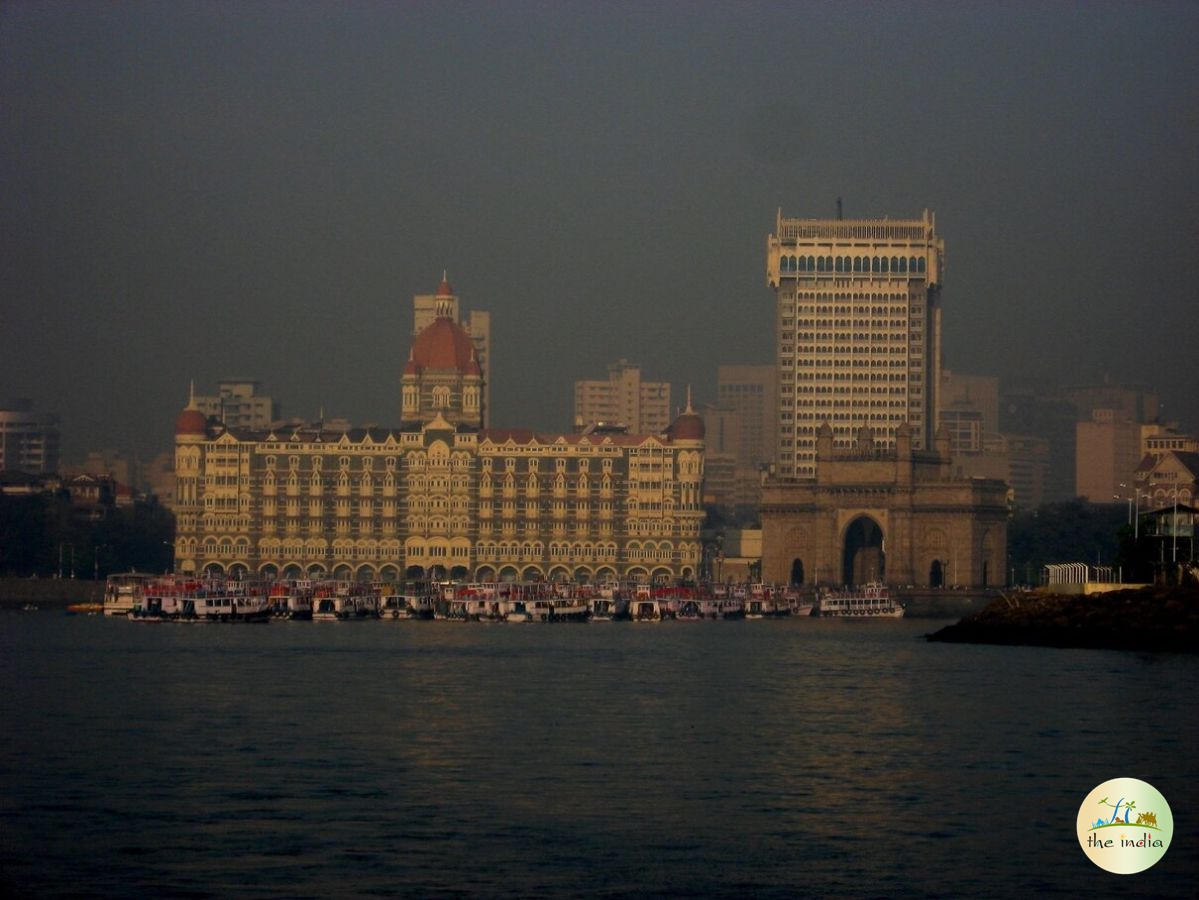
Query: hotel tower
859	332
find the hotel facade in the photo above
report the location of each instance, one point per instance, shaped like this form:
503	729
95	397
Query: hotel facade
439	496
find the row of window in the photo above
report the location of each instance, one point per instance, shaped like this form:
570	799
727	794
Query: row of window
902	265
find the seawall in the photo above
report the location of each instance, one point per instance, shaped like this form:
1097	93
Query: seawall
49	592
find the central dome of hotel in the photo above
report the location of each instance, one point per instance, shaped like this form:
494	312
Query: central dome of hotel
444	345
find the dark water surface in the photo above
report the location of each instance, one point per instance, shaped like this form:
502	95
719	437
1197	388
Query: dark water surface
431	759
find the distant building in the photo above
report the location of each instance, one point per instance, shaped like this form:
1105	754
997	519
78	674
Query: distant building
624	398
29	441
238	404
1109	450
108	463
159	479
1157	440
1172	477
858	332
742	425
970	407
969	410
1025	413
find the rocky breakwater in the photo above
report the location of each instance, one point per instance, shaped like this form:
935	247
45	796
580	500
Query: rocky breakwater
1152	618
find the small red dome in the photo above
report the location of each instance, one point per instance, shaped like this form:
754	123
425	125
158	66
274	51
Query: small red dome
191	422
444	289
688	427
443	345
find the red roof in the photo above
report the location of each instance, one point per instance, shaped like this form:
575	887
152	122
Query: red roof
191	421
443	345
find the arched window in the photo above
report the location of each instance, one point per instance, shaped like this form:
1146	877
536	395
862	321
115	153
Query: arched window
820	264
874	267
840	265
903	264
921	265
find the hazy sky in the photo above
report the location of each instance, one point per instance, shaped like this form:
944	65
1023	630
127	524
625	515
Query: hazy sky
211	190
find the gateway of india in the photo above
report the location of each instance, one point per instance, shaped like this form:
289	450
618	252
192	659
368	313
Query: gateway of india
862	488
441	495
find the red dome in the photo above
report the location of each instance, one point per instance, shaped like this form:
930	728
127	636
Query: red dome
443	345
688	427
444	289
191	422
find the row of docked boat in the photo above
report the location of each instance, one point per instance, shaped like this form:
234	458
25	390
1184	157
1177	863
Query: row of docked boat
176	598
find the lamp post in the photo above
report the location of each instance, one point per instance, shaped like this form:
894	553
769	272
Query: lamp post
1174	529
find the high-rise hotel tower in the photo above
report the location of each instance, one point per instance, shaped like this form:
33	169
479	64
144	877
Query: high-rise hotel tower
859	332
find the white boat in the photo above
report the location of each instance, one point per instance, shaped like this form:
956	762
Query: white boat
399	606
231	607
603	609
645	609
515	610
870	601
764	601
343	601
124	591
291	598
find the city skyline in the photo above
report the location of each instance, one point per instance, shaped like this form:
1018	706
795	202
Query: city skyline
198	192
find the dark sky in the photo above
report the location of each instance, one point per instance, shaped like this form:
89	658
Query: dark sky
200	191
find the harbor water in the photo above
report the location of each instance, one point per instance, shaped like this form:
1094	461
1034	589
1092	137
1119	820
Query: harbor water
433	759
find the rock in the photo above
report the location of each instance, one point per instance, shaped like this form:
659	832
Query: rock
1151	618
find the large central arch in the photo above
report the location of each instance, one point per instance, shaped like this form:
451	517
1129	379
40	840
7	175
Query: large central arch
862	557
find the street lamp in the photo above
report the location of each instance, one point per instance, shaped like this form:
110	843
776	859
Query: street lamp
1174	527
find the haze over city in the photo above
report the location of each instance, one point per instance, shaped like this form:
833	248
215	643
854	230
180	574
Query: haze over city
204	191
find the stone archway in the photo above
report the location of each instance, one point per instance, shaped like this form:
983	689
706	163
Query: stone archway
862	557
936	574
797	573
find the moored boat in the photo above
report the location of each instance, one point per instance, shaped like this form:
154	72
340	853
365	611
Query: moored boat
872	600
645	609
123	591
291	598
